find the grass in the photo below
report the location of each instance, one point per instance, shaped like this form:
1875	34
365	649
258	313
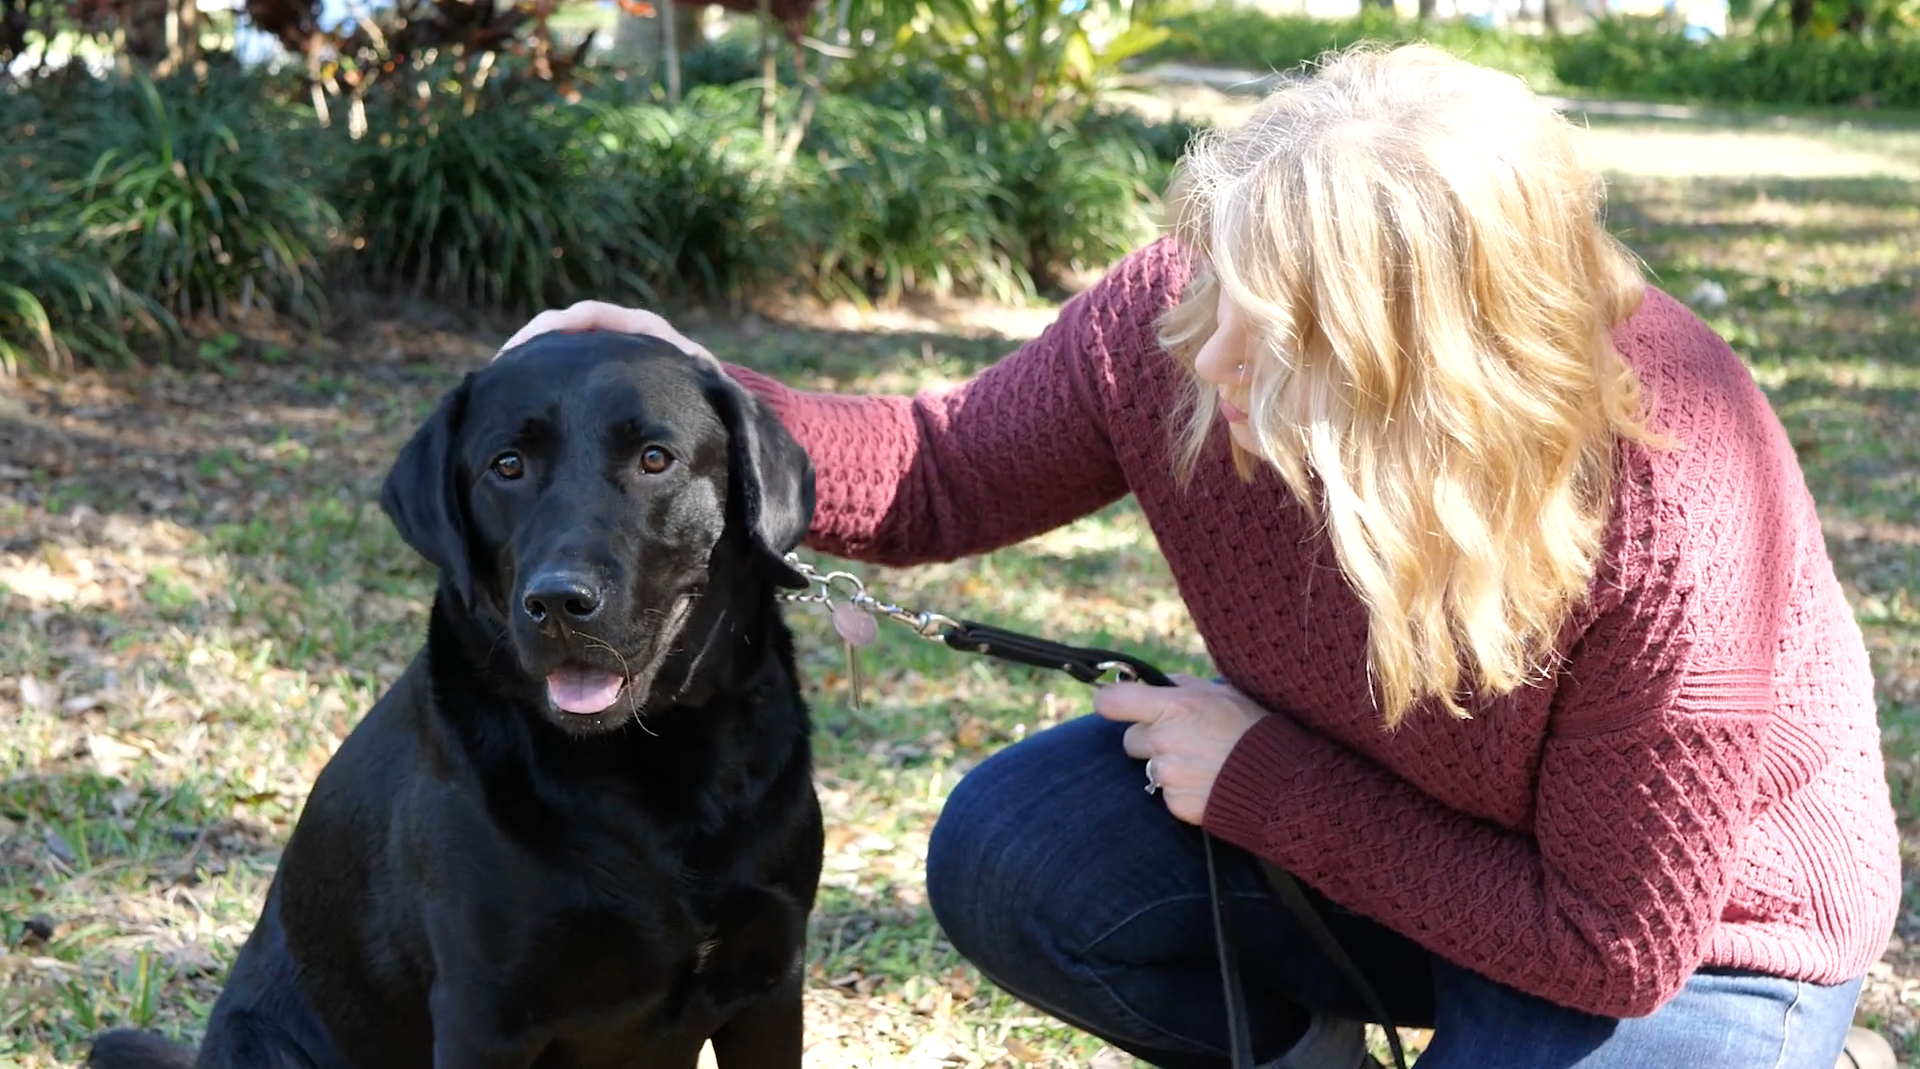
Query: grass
198	598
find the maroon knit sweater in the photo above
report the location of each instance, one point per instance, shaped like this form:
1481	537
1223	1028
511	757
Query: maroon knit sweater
1700	785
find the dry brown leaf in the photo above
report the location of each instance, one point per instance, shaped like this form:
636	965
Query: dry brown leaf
37	695
110	756
1018	1049
972	733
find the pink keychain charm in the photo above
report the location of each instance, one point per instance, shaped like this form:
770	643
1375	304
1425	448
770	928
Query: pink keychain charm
856	626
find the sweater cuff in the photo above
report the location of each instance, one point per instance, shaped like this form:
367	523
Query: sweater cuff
1238	809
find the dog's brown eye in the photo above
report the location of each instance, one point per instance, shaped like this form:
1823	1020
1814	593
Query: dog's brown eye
508	466
654	460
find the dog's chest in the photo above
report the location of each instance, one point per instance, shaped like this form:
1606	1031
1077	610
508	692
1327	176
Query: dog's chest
642	919
661	961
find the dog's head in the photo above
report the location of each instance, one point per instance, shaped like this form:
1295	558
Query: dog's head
598	501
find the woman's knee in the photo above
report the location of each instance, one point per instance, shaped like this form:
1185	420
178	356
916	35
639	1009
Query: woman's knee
970	876
1015	832
954	860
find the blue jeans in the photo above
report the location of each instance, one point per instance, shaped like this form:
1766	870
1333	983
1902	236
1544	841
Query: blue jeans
1061	879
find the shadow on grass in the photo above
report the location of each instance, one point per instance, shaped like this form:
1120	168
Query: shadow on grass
94	859
1799	215
1600	110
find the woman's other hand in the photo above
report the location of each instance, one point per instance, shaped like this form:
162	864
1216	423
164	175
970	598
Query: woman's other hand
599	315
1185	731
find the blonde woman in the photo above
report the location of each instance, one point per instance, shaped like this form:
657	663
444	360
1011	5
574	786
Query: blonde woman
1537	672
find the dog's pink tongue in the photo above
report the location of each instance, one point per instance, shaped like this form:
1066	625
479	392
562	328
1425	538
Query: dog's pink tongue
583	690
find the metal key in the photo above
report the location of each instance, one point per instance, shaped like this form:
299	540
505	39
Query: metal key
857	630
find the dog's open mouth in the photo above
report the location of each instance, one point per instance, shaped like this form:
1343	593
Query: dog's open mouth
582	689
589	689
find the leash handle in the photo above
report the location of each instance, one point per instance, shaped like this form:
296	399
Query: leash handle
1086	664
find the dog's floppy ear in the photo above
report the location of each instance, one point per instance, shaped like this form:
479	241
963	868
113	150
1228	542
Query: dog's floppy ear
769	477
421	498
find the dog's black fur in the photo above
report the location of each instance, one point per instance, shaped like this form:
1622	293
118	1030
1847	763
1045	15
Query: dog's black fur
482	879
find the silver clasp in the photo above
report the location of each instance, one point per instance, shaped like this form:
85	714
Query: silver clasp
928	625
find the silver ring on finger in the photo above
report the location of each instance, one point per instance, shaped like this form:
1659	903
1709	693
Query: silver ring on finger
1153	781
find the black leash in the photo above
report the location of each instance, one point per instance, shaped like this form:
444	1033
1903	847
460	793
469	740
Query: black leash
1090	665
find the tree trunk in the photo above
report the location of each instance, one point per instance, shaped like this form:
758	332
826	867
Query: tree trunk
1550	15
1800	14
145	23
1427	9
183	35
689	26
636	41
670	49
769	74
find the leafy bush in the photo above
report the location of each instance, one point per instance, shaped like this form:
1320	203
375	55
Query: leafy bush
1645	58
1071	202
897	87
999	61
217	194
702	189
59	301
493	196
732	58
1232	36
894	202
1163	140
196	204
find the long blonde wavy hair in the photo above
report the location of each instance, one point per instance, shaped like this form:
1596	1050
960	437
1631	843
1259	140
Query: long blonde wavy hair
1419	255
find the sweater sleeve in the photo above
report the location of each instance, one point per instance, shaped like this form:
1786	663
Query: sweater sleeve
1019	449
1647	781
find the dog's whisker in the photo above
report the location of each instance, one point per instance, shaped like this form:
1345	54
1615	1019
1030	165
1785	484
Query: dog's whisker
634	703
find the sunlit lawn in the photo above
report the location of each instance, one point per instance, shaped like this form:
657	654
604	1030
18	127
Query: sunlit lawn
198	597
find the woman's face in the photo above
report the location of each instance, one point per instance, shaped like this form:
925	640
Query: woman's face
1222	364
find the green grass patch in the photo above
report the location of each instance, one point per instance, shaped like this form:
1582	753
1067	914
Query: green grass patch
203	598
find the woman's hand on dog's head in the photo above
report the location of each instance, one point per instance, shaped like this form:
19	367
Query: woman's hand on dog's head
598	315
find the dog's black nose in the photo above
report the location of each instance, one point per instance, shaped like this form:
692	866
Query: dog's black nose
567	594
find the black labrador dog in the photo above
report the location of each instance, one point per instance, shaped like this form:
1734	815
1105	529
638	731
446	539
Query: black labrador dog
581	830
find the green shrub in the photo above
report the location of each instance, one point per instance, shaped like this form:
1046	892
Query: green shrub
495	196
1163	140
60	304
732	58
893	202
898	87
998	61
126	201
1232	36
703	190
196	205
1072	202
1646	58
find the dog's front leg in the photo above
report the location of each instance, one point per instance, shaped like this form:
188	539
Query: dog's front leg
470	1032
766	1034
